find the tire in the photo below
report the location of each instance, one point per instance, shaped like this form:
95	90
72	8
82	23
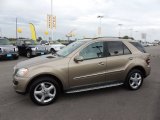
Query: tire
16	58
29	54
44	91
134	79
52	51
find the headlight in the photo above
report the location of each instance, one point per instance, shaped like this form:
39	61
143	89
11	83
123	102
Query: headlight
34	49
22	72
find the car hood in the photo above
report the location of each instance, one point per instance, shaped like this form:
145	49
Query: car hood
37	61
39	46
7	46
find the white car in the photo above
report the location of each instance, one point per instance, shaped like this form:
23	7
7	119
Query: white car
52	46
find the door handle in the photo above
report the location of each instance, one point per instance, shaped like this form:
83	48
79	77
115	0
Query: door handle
101	63
130	58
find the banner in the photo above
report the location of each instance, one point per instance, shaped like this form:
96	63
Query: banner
33	32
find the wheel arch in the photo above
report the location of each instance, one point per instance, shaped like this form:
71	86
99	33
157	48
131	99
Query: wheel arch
44	75
138	68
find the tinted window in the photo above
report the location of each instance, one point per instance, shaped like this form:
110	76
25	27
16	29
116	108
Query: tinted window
94	50
138	46
117	48
126	50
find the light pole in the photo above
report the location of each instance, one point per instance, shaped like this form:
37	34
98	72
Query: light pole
0	32
131	32
16	29
99	28
52	19
120	25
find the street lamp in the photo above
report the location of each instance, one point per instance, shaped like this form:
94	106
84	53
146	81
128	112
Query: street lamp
99	28
120	25
130	32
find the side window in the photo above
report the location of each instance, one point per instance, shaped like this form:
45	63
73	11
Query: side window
93	51
138	46
126	51
115	48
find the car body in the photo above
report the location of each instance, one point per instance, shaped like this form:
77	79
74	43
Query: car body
7	50
52	46
83	65
30	48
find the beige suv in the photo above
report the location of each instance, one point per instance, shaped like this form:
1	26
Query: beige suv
81	66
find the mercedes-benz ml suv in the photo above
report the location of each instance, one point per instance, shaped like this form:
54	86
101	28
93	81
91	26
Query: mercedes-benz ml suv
81	66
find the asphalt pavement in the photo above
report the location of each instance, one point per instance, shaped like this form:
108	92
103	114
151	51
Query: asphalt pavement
115	103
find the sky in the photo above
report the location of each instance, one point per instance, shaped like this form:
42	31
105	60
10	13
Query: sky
136	17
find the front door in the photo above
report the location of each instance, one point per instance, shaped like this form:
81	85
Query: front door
92	69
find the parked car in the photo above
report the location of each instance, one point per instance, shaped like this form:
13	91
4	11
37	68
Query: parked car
81	66
52	46
30	48
7	50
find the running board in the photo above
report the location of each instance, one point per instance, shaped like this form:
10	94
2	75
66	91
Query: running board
94	88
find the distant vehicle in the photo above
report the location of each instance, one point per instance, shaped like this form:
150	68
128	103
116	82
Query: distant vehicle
30	48
150	44
52	46
7	50
144	44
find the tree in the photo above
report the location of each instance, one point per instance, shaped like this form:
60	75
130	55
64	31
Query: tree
127	37
39	39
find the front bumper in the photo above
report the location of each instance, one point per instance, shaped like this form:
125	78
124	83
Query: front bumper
20	84
8	55
37	53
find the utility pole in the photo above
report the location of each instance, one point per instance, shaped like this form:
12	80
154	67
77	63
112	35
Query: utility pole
16	29
120	25
99	28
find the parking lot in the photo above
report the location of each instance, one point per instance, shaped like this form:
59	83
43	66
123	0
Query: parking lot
106	104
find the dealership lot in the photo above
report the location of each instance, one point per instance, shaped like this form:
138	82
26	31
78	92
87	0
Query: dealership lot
106	104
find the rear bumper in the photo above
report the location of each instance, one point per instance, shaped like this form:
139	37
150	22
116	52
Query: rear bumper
37	53
148	71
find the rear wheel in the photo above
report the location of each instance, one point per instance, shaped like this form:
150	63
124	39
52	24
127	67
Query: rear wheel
134	79
29	54
44	91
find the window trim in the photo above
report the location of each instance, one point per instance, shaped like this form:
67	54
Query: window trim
122	44
104	50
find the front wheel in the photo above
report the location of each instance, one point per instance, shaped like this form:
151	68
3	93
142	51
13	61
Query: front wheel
134	79
44	91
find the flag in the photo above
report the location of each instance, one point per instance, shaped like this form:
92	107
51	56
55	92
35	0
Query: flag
33	32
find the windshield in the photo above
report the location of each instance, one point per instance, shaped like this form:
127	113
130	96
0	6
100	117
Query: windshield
4	42
70	48
30	42
53	42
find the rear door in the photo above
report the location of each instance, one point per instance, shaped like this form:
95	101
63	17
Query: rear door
119	57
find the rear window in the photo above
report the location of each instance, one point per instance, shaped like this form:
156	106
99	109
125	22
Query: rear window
138	46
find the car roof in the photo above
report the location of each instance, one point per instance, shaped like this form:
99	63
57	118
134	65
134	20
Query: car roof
106	39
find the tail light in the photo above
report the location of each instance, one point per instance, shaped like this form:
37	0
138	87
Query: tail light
148	61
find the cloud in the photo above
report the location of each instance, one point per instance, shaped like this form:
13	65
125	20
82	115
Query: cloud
140	15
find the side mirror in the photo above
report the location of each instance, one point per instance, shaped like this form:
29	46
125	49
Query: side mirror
78	59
